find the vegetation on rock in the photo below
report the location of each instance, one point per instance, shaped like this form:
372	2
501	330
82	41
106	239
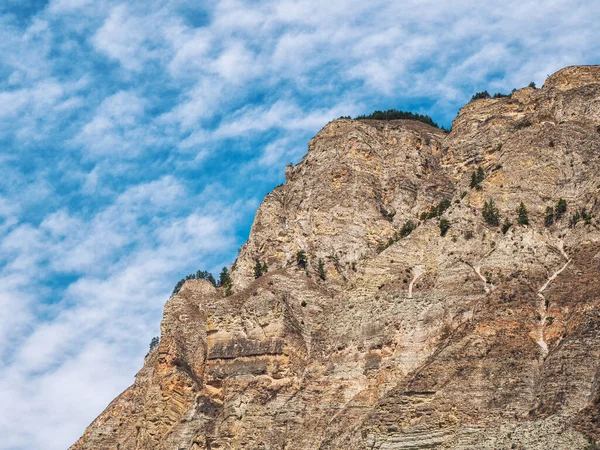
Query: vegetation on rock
260	269
549	217
444	226
225	281
395	114
321	270
154	342
436	211
523	215
560	209
301	260
506	225
480	95
198	275
477	178
490	213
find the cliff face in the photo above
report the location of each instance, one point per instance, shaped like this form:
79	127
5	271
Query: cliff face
476	339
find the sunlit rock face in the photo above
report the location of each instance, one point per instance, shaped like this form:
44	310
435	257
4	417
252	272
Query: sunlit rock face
484	337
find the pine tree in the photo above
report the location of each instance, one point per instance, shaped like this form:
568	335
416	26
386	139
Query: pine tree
575	218
407	228
480	95
154	342
443	206
549	218
321	270
444	226
477	178
178	287
587	217
561	208
480	175
523	215
506	225
225	281
212	279
474	182
490	213
258	270
301	259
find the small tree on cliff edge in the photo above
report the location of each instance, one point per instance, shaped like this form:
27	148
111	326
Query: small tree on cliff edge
154	342
523	215
225	281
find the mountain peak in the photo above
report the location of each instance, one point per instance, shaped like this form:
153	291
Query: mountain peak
573	77
405	288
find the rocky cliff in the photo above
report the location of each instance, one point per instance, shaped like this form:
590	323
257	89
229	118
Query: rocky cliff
483	336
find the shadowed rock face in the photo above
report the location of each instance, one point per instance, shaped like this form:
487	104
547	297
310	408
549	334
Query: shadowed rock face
476	339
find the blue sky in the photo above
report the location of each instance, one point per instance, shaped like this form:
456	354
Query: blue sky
137	139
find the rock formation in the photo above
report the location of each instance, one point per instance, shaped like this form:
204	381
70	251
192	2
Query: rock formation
487	337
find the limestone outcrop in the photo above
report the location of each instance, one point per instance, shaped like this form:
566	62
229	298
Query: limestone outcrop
479	336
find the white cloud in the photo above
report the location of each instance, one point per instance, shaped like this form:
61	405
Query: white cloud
281	115
122	38
63	6
118	128
276	155
104	317
135	39
199	102
115	120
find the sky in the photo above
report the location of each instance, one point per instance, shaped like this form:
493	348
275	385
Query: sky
138	138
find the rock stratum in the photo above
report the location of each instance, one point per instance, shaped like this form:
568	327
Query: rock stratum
476	339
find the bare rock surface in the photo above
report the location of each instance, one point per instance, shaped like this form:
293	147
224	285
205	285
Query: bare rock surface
484	337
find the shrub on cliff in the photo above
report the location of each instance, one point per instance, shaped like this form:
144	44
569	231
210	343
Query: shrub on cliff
443	206
407	228
154	342
198	275
579	215
506	225
260	269
490	213
206	275
177	287
301	259
477	178
444	226
436	211
523	218
480	95
560	209
225	281
395	114
321	270
549	217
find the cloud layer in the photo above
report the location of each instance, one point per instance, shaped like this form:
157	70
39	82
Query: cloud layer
125	126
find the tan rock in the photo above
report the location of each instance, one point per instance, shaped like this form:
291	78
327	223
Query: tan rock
476	339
